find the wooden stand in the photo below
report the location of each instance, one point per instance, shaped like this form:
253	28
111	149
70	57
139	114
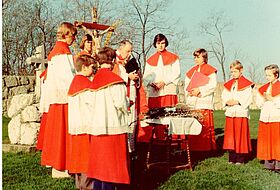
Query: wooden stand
168	142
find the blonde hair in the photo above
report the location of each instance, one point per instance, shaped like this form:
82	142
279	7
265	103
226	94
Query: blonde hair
274	68
237	65
65	29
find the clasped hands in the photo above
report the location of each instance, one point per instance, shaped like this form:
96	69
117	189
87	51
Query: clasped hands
232	102
157	85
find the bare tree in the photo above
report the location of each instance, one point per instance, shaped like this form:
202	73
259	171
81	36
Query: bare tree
254	71
145	13
143	20
26	25
214	27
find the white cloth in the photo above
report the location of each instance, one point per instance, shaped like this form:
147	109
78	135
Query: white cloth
179	125
170	74
109	111
60	74
244	97
270	110
206	101
80	111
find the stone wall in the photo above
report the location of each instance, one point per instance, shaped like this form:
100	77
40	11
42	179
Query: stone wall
25	119
15	85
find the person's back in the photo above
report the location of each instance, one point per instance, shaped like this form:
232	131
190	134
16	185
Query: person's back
108	162
59	76
80	109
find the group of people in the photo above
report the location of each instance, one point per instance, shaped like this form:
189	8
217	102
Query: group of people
92	107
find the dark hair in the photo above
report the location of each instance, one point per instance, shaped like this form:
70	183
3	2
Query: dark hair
201	51
160	37
106	55
85	60
85	38
274	68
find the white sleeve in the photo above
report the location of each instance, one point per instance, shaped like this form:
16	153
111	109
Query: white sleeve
123	73
246	98
173	74
210	87
118	93
225	97
276	102
259	100
187	81
149	75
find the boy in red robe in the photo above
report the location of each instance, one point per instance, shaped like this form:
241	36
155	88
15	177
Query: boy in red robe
161	76
80	112
268	99
60	74
236	98
201	99
109	159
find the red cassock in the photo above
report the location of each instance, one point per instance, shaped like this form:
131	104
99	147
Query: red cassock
268	147
40	141
78	144
205	141
56	138
237	132
108	159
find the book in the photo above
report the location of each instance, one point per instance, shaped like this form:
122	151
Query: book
132	65
198	79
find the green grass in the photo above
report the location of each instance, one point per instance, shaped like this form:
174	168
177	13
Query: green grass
23	170
216	173
5	137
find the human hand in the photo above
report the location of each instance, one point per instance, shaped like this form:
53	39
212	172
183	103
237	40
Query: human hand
267	96
160	84
133	76
195	92
232	102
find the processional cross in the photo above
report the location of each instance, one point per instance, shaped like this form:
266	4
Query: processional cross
92	29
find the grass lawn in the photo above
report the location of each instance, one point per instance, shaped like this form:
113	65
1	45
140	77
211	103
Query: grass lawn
5	138
23	170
